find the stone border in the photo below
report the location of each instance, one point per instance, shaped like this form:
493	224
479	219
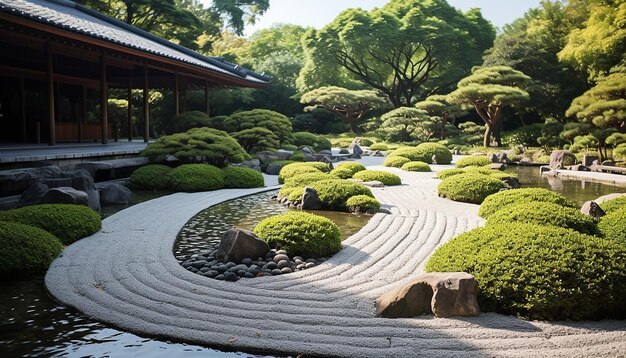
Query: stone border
126	275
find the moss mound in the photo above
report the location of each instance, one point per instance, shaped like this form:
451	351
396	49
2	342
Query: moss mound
496	201
353	167
446	173
334	193
539	272
301	234
416	167
612	205
379	146
396	161
25	249
342	173
469	187
292	169
151	177
235	177
427	150
543	213
363	204
473	161
196	177
65	221
379	175
613	225
304	179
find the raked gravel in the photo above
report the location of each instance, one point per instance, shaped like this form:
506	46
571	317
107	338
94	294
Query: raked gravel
126	275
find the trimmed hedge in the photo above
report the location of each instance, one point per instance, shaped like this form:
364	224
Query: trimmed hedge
25	249
257	139
196	177
363	204
446	173
416	167
424	153
473	161
313	141
613	225
292	169
305	179
151	177
236	177
410	153
396	161
469	187
67	222
379	146
342	173
334	193
379	175
543	213
539	272
301	234
497	201
353	167
612	205
298	157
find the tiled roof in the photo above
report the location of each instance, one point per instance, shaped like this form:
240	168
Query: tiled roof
68	15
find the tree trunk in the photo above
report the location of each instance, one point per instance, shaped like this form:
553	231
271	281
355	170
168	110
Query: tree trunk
353	126
487	137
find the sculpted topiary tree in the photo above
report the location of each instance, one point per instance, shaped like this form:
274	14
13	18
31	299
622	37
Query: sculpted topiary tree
439	107
351	106
275	122
401	123
489	90
257	139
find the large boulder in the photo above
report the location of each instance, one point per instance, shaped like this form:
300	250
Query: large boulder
65	195
115	194
273	169
33	194
608	197
83	181
444	294
592	209
560	159
238	244
254	164
268	157
356	150
15	181
310	200
326	159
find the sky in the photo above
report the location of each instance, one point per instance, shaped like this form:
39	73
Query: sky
318	13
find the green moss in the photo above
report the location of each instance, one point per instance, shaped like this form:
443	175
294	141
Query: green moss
612	205
396	161
473	161
411	153
292	169
416	167
439	151
497	201
363	204
301	234
543	213
379	175
353	167
235	177
379	146
342	173
151	177
196	177
469	187
539	272
613	225
67	222
334	193
446	173
305	179
25	249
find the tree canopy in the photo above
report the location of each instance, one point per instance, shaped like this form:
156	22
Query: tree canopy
604	105
442	110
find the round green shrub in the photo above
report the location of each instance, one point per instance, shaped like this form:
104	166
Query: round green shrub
379	146
151	177
501	175
235	177
334	193
469	187
396	161
363	204
446	173
291	170
342	173
275	122
68	222
257	139
427	150
353	167
313	141
196	177
416	167
544	213
539	272
305	179
410	153
298	157
379	175
613	225
25	249
301	234
497	201
296	194
473	161
612	205
187	120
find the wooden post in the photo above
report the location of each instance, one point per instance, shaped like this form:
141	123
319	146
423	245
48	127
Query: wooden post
176	94
146	106
23	109
206	97
50	83
130	109
104	101
84	117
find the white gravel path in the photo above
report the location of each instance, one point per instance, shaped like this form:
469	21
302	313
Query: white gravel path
126	275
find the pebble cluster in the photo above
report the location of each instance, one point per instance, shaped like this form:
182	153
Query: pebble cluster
275	262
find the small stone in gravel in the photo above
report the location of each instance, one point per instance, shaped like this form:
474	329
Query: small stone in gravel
198	264
280	257
300	267
219	277
309	265
282	264
211	274
230	276
272	265
286	270
246	261
222	268
261	263
241	273
298	258
186	264
249	275
231	264
241	267
281	252
276	272
297	261
205	269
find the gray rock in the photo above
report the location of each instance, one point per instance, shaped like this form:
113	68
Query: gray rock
15	181
280	257
219	277
276	272
378	153
309	265
300	267
238	244
511	182
579	168
282	264
494	158
268	157
222	268
230	264
503	158
497	166
326	159
254	164
272	265
591	208
65	195
286	270
373	184
310	200
33	194
249	275
325	152
356	150
344	151
608	197
273	169
246	261
83	181
559	159
281	252
241	273
307	150
115	194
230	276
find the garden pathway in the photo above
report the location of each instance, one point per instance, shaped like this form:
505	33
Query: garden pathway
126	275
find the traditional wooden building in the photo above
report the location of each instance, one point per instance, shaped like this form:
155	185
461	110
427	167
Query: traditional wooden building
59	61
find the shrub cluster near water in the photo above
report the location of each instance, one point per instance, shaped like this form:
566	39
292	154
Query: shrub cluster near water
424	152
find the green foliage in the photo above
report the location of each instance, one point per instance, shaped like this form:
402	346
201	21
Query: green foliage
379	175
196	177
334	193
301	233
517	196
342	173
151	177
292	169
25	249
313	141
613	225
612	205
363	204
402	124
550	134
473	161
446	173
442	110
235	177
67	222
272	121
396	160
205	144
379	146
416	167
545	213
525	136
257	139
469	187
298	157
352	167
426	151
539	272
304	179
187	120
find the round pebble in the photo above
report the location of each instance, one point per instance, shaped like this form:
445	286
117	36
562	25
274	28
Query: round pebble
205	269
272	265
230	276
297	261
286	270
282	264
219	277
231	264
309	265
249	275
246	261
276	272
300	267
222	268
280	257
241	273
281	252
